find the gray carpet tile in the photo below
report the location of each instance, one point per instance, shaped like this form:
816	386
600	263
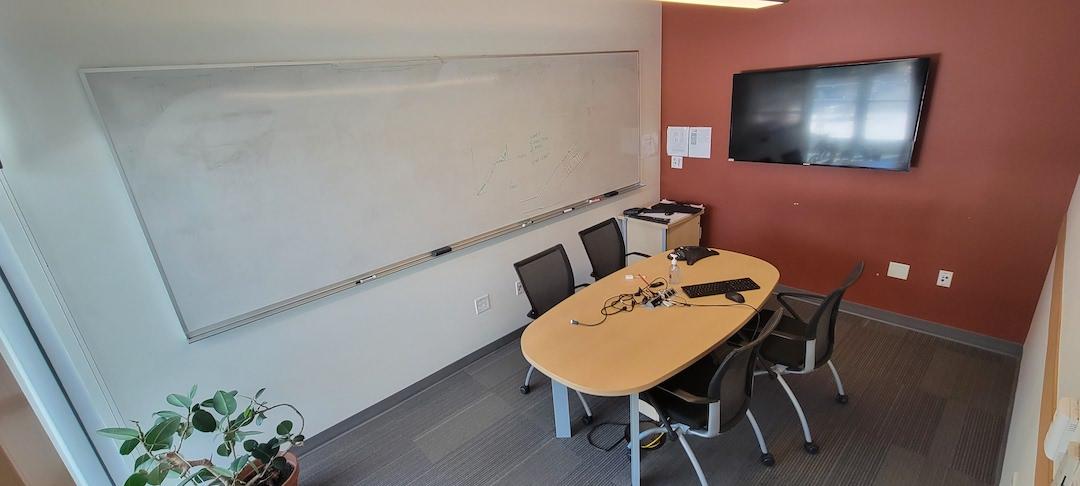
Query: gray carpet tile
922	411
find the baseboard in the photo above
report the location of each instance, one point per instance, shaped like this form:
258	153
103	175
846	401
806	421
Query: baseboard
322	438
943	331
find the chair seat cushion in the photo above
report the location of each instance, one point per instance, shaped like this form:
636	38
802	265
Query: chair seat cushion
787	352
694	380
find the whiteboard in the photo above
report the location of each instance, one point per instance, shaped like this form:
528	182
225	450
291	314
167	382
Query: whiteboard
262	185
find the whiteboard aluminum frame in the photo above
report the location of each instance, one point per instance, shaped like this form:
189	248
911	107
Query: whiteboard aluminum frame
365	277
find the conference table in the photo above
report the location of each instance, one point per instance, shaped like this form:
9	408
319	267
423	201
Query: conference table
632	352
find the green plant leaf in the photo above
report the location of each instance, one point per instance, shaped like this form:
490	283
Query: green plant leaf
191	394
166	414
220	471
239	463
224	450
137	479
224	403
181	401
284	427
203	421
245	418
263	453
203	475
250	445
128	446
157	476
120	433
259	393
141	461
160	436
259	419
298	440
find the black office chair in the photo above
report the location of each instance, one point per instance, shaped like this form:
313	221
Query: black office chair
712	395
548	279
606	249
801	346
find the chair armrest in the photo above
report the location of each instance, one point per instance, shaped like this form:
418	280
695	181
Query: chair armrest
685	395
638	254
800	295
580	286
782	299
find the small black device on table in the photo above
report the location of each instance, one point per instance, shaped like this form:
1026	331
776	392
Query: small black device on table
721	287
691	254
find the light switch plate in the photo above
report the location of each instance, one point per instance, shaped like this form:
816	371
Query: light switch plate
482	304
899	270
676	162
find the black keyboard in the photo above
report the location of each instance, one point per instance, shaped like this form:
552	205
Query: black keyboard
720	288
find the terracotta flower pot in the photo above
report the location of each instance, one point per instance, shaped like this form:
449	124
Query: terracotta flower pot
294	478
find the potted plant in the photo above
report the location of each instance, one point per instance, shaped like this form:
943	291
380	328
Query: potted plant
239	460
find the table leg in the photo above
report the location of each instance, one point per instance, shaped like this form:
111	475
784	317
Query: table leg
560	400
635	442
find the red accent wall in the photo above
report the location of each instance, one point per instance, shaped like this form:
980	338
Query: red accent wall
999	154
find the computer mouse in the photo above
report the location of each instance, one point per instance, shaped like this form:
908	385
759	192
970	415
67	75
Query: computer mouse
735	297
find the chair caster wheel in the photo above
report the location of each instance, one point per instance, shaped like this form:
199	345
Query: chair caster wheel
811	448
841	399
586	419
767	460
524	389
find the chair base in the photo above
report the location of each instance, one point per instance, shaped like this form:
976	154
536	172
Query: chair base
811	448
767	460
525	389
586	419
841	399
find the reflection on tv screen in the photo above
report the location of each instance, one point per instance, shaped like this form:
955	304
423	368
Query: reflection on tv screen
860	115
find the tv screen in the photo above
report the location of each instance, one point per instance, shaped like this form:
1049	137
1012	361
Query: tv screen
852	115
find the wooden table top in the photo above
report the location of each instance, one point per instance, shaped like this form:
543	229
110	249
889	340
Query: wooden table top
634	351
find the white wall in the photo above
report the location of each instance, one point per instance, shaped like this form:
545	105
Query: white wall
1024	441
1068	377
113	320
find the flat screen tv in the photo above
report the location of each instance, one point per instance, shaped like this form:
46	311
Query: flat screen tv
847	115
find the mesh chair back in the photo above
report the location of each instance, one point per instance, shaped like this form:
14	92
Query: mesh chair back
824	319
605	247
547	279
733	383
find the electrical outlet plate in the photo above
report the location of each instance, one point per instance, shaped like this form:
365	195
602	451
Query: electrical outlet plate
676	162
944	278
899	270
518	289
482	304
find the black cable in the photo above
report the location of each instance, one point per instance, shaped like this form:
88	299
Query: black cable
610	447
655	443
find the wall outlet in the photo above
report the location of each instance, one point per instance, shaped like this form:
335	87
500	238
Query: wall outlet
518	289
899	270
482	304
944	278
676	162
